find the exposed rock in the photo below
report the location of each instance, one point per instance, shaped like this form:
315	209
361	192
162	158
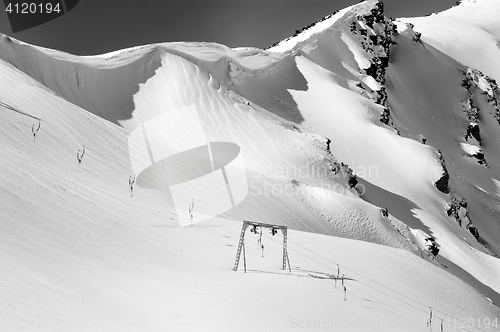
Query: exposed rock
472	228
442	183
328	141
432	246
385	117
340	167
474	78
353	180
416	35
425	242
473	132
457	208
376	34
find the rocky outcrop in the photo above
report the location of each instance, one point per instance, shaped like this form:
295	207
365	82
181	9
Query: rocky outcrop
376	34
341	168
473	132
473	229
442	183
475	80
470	110
487	86
425	242
431	246
457	208
416	35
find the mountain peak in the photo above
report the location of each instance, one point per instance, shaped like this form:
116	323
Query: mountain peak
375	7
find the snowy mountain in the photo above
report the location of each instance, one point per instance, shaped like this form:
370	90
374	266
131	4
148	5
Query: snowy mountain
376	142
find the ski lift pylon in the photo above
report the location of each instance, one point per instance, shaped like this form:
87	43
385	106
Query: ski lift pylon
241	244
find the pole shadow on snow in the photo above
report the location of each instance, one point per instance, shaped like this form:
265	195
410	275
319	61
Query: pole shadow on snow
281	272
323	275
303	273
9	107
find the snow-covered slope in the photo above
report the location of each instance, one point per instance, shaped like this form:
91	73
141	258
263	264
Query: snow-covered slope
377	145
275	152
469	32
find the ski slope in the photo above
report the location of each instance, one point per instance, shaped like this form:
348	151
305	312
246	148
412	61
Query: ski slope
360	138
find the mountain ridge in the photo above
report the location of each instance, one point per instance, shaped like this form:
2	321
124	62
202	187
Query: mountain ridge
361	131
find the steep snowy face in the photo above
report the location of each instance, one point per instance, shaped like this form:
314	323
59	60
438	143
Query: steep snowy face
469	33
354	127
377	91
355	44
289	171
83	80
364	68
462	104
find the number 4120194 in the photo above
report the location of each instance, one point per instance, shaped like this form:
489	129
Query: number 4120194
473	323
32	8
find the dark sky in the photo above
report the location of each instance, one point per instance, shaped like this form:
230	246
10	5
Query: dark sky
99	26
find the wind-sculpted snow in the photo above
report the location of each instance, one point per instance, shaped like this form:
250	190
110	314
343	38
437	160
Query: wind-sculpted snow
224	87
266	153
354	127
